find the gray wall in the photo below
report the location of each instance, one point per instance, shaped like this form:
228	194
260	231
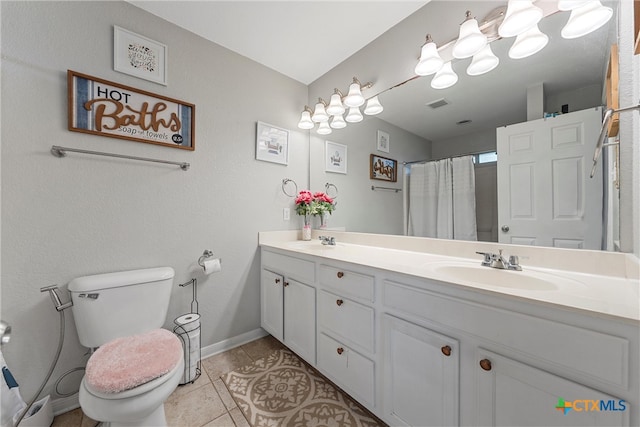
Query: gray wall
64	218
358	207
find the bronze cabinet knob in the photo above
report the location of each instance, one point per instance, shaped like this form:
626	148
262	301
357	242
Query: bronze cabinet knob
485	364
446	350
286	283
339	302
340	274
340	350
277	280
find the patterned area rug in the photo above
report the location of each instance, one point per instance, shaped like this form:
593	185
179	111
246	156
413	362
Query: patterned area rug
281	390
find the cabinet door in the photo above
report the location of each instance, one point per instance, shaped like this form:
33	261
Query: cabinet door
420	375
300	319
510	393
271	303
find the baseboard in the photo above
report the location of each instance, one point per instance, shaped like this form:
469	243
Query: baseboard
66	404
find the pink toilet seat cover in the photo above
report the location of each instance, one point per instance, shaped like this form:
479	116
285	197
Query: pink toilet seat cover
128	362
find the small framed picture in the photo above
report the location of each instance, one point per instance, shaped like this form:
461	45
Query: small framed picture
139	56
383	169
335	157
272	144
383	141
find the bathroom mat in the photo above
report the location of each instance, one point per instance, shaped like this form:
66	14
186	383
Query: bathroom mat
282	390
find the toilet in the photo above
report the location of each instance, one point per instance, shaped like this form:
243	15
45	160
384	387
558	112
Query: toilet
136	364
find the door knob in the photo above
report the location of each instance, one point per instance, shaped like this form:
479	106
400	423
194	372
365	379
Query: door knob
505	228
446	350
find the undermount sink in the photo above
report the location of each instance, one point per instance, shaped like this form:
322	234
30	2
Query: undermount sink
526	280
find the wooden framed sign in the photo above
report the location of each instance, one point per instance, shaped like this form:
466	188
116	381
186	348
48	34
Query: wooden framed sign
105	108
383	169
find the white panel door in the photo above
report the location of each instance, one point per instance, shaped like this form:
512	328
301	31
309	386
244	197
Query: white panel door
545	195
300	319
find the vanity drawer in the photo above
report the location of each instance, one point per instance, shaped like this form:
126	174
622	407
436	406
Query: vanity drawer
347	319
295	268
347	282
348	369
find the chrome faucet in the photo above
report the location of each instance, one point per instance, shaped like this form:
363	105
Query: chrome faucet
331	241
497	261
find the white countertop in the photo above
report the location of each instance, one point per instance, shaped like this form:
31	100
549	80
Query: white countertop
612	291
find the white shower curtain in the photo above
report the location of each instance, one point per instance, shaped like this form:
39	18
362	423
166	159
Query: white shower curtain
442	200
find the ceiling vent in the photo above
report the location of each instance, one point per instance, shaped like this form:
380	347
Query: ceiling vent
437	103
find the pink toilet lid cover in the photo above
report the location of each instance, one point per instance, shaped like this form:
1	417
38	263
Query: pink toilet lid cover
128	362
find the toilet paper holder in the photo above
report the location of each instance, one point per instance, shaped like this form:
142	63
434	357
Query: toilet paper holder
206	254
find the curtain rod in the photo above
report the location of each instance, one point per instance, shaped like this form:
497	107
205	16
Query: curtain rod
448	157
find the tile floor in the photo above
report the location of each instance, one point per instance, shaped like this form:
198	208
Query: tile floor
206	402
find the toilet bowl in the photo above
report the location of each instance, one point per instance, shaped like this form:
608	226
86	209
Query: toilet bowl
140	406
136	365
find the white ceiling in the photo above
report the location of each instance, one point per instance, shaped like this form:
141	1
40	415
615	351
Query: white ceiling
300	39
306	39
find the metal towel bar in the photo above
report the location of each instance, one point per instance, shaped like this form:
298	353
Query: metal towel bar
61	152
374	187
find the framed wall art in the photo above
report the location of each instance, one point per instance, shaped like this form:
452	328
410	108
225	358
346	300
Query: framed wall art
139	56
335	157
383	169
105	108
272	144
383	142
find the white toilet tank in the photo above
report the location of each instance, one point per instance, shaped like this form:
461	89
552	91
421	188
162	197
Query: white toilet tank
113	305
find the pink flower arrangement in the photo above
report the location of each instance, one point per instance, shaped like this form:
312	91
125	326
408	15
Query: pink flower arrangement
324	203
305	203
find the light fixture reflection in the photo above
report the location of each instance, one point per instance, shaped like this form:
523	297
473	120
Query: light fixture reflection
319	114
354	98
430	60
335	105
521	15
470	41
586	19
445	77
354	115
373	107
324	129
528	43
305	119
338	122
483	62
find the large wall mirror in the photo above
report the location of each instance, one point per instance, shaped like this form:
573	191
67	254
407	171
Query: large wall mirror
570	72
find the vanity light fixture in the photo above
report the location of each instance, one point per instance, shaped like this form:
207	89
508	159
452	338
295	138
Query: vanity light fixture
471	40
585	19
335	107
373	107
354	115
305	119
521	16
445	77
430	60
528	43
320	114
324	129
483	62
354	98
337	122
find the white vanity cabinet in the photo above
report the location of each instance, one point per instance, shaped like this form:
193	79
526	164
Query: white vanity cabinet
509	368
288	302
418	351
420	375
346	330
